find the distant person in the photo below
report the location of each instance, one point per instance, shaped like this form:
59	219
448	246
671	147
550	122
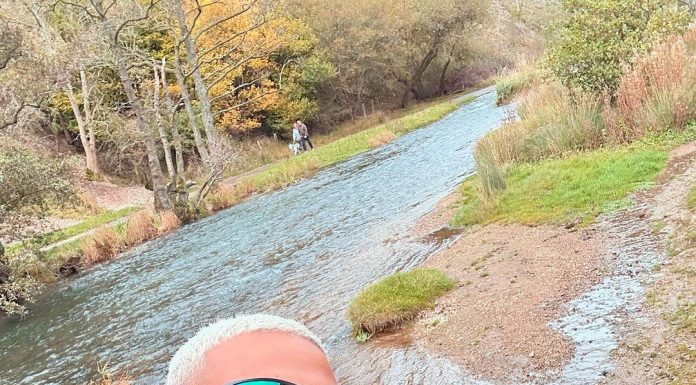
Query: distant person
296	140
304	136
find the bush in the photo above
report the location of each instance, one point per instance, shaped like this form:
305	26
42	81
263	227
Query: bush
595	41
657	95
396	299
140	228
18	286
102	247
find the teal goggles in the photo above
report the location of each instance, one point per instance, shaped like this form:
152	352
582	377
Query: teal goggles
262	381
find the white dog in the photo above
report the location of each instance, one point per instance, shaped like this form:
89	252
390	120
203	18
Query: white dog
295	148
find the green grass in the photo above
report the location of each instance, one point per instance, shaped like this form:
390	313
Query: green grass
396	300
576	188
293	169
77	229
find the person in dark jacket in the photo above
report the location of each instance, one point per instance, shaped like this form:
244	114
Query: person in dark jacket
304	135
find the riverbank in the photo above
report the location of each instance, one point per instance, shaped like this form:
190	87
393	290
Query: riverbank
517	273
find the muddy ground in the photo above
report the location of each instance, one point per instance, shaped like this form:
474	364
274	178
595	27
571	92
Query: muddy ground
514	281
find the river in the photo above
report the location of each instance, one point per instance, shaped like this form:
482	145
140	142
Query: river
302	253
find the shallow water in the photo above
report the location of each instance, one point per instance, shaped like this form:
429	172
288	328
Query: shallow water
301	253
592	318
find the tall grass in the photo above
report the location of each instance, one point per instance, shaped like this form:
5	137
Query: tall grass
514	83
102	247
657	95
140	228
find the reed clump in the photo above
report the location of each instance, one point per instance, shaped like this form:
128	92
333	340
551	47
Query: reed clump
140	228
168	222
102	247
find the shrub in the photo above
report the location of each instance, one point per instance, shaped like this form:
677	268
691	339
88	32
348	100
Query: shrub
18	286
657	95
168	222
396	299
382	138
103	246
140	228
89	204
587	53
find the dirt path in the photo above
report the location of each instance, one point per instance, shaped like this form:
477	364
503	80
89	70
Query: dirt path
515	283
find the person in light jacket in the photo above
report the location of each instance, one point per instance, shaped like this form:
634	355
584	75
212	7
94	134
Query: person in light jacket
304	135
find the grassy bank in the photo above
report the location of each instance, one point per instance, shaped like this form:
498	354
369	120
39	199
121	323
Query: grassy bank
575	188
74	230
293	169
260	152
396	300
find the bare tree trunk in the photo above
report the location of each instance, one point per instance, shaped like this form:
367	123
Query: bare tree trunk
180	180
84	121
160	125
87	136
201	88
442	90
162	200
188	103
414	84
176	137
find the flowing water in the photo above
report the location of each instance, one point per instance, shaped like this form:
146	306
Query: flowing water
302	253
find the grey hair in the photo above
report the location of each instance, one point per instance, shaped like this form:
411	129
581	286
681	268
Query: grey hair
189	356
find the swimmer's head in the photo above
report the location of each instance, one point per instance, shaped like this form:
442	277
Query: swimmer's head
255	347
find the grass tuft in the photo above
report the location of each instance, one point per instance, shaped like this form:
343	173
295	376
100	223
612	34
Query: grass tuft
107	377
140	228
382	138
395	300
168	222
102	247
510	85
691	199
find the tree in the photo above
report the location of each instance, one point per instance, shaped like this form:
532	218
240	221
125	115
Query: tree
114	20
595	41
428	30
